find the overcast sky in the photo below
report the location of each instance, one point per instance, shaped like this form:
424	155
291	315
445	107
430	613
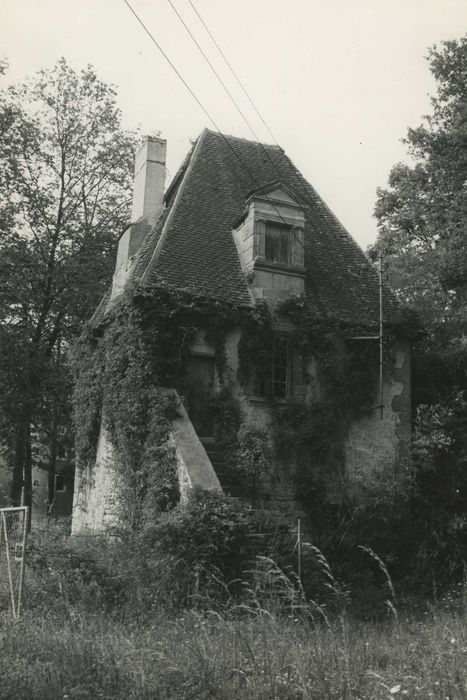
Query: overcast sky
337	81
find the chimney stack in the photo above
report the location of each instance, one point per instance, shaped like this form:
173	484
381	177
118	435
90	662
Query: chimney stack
148	198
148	190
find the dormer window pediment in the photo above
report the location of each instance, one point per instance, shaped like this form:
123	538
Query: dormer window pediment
275	192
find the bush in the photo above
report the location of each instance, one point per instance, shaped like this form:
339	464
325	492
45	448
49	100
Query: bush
64	573
201	548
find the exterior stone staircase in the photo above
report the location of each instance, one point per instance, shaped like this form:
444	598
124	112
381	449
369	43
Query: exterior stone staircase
230	483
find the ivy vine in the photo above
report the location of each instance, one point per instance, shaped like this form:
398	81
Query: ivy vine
122	370
123	366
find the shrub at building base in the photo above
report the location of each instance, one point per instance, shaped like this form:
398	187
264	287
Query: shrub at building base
200	550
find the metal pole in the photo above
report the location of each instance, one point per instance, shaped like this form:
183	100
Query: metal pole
299	548
23	556
381	356
7	543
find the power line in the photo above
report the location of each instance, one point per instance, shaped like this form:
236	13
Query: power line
171	64
227	142
263	148
192	93
297	175
233	72
226	89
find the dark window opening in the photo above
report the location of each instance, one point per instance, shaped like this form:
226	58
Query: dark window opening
59	482
277	243
281	367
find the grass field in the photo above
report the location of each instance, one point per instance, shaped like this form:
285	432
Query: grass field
103	619
206	655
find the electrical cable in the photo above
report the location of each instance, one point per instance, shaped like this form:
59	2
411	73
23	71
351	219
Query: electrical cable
192	93
232	99
226	89
233	72
296	174
297	178
171	64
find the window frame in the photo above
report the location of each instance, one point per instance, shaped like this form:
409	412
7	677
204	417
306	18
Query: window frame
281	337
295	244
261	392
285	230
59	483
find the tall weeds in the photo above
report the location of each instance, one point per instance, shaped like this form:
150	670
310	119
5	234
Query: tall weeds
98	623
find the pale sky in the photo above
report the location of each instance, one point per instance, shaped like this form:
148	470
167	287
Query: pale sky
337	81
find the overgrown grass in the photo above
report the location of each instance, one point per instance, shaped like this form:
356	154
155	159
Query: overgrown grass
126	619
206	655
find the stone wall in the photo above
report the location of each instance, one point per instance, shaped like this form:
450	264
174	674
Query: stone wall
98	490
194	467
374	443
379	442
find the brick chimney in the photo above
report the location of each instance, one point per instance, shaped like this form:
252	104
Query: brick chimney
148	189
148	198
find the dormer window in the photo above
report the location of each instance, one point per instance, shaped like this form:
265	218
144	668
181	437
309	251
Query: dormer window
270	237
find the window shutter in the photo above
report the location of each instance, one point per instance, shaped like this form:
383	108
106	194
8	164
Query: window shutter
260	234
298	239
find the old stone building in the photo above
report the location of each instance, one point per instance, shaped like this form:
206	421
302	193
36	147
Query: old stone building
240	227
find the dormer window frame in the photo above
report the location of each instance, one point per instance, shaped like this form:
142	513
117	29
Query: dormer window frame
295	244
276	205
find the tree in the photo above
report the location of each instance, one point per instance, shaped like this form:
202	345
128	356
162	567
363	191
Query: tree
65	184
422	222
422	219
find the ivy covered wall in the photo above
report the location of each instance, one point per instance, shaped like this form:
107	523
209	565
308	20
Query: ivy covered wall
287	451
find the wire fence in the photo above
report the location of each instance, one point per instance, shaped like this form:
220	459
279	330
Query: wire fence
13	535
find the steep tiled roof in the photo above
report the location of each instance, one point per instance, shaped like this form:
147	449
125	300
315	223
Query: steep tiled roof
192	246
100	312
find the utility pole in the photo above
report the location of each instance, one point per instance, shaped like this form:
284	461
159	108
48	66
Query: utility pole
381	348
379	337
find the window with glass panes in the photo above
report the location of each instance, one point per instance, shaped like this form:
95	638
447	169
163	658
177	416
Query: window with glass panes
279	380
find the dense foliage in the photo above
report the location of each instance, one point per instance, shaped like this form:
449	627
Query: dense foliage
123	370
422	231
309	432
124	367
